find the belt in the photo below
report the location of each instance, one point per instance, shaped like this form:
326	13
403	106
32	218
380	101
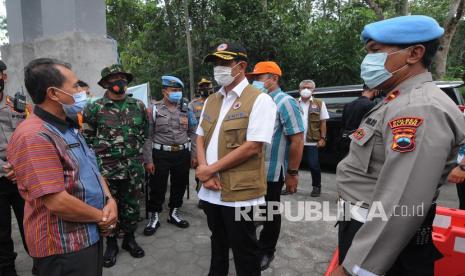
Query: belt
356	212
170	148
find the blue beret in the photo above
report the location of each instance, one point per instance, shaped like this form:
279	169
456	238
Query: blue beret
408	29
171	81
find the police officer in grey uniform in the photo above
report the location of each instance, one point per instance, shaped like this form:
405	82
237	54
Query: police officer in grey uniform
167	153
399	156
10	118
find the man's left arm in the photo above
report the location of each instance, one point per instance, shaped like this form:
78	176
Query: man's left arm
293	128
324	115
192	123
408	179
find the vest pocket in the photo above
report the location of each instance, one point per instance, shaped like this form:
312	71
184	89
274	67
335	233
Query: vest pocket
235	132
243	180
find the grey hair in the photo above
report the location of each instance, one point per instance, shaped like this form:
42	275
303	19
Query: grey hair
302	83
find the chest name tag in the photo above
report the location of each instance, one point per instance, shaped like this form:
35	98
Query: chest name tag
75	145
371	121
235	116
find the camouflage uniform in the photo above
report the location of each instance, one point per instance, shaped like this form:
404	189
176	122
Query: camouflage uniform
117	134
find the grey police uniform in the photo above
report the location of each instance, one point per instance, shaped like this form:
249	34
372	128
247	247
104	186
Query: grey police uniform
9	195
168	149
400	156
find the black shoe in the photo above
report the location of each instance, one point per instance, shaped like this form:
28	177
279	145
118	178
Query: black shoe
130	244
109	258
8	271
285	192
175	219
266	261
316	192
153	225
201	204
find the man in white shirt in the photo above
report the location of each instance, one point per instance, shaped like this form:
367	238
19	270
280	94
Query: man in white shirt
315	115
234	125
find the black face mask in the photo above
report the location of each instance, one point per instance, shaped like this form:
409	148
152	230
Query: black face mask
118	87
2	85
204	93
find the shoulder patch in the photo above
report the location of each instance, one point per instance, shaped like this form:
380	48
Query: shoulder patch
404	130
359	134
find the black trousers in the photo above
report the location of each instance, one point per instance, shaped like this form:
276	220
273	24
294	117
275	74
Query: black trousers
416	259
239	235
86	262
461	194
271	227
9	198
176	165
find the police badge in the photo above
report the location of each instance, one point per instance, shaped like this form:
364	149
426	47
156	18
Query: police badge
404	130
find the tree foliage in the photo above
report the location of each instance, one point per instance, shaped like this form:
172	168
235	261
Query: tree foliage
317	39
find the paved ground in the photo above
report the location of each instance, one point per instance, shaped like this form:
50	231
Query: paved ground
304	248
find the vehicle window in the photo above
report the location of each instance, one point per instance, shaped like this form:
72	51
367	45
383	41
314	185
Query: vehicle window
335	101
451	93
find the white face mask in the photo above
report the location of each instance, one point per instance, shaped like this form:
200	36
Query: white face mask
306	93
223	76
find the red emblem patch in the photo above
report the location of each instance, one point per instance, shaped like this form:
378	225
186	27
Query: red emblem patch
359	134
403	131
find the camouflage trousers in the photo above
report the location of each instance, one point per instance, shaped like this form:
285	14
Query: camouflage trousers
127	194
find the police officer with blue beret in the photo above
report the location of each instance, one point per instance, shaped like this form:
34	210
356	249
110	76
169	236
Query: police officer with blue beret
166	153
399	156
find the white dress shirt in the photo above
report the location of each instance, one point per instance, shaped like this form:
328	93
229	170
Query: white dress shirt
260	129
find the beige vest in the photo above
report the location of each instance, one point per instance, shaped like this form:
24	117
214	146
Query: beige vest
313	131
247	180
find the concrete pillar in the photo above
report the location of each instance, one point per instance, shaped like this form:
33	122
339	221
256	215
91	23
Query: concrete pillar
70	30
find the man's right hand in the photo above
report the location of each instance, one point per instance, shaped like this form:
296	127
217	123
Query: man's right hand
150	168
9	172
212	184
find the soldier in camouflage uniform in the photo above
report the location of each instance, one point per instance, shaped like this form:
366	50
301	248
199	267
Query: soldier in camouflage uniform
204	89
116	127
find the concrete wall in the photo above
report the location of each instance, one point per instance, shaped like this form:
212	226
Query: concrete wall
73	31
87	54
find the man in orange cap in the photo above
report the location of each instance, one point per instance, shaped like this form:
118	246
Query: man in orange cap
283	156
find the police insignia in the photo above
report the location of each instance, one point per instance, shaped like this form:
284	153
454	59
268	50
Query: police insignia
237	105
404	130
222	47
359	134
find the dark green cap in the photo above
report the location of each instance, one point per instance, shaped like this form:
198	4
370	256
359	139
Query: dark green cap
113	70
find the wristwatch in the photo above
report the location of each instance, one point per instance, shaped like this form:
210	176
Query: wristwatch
462	167
293	172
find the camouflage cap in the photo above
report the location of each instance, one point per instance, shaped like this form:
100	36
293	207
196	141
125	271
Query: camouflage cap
113	70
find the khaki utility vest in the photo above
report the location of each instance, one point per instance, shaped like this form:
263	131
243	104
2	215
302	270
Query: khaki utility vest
247	180
313	132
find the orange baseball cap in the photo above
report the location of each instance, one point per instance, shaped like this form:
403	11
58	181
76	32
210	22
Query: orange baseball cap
265	67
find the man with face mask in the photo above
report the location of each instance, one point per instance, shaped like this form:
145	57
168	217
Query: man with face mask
166	153
235	124
10	198
315	115
399	156
116	127
68	204
283	156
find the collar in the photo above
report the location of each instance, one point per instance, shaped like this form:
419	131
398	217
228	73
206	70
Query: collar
414	82
107	100
308	102
48	117
275	92
238	89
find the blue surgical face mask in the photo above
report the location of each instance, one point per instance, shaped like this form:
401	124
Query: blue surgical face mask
80	101
373	70
260	85
175	96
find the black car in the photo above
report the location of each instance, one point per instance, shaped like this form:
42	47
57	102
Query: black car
337	96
